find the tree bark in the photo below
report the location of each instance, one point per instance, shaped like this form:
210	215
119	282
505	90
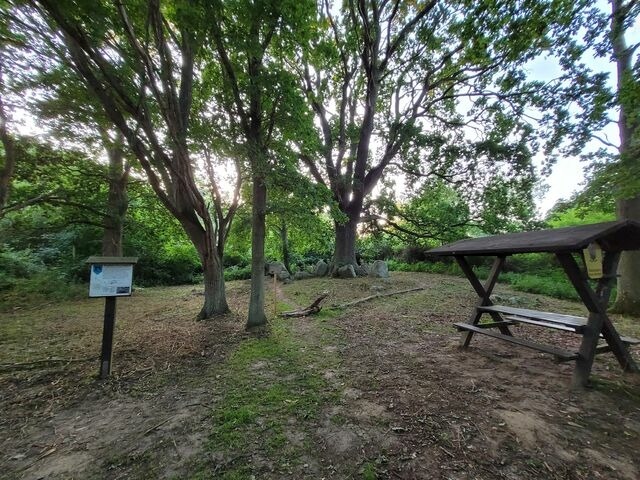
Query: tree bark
257	316
284	239
215	296
9	164
628	288
117	201
345	248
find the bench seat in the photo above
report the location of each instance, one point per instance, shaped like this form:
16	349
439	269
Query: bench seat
562	355
568	323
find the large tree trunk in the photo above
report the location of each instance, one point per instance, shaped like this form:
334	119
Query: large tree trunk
628	292
215	297
257	316
117	201
345	248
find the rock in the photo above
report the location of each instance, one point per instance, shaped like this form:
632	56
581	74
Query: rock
377	288
283	275
361	270
302	275
379	269
346	271
274	268
321	269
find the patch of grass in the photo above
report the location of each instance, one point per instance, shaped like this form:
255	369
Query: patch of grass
369	471
272	384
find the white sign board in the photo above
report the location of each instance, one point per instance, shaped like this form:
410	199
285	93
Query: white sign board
110	280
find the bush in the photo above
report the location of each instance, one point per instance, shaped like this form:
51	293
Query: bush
16	265
237	273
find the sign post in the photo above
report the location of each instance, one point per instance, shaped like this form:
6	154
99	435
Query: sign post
111	277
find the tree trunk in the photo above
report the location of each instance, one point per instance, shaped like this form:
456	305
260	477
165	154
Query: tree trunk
257	316
117	202
628	292
284	238
215	296
9	164
204	239
345	249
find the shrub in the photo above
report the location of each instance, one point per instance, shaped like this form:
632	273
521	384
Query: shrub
237	273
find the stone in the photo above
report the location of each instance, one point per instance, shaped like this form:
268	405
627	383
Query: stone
283	275
346	271
274	268
322	269
379	269
302	275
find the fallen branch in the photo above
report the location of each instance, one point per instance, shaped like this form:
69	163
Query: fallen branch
373	297
310	310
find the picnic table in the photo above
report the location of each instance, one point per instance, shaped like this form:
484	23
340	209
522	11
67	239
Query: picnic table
598	333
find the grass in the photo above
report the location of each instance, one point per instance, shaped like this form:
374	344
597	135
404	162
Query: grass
268	381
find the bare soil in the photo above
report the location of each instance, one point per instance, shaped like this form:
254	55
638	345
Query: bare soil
397	398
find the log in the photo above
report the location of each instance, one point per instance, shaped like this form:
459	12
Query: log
310	310
377	295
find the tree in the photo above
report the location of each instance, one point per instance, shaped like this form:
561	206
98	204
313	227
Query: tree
623	17
384	78
250	39
140	60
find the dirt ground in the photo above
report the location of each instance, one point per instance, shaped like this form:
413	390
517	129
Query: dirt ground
378	390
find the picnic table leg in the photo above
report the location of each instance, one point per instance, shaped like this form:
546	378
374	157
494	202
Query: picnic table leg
484	292
598	321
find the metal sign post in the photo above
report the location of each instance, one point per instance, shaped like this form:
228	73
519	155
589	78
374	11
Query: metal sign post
111	277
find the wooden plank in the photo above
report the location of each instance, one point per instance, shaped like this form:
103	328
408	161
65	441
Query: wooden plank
494	324
563	355
557	326
568	320
538	323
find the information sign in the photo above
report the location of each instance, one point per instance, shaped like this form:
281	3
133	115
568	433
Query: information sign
110	280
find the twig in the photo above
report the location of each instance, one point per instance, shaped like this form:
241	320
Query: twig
377	295
147	432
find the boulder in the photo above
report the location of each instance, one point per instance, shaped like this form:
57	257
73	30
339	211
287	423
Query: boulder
274	268
379	269
346	271
283	275
322	269
302	275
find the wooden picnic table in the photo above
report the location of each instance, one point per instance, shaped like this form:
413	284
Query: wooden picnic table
567	244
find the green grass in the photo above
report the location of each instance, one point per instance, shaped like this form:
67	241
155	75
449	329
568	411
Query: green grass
272	383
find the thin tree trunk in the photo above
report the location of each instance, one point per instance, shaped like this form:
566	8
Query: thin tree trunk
9	164
284	239
117	201
257	316
628	291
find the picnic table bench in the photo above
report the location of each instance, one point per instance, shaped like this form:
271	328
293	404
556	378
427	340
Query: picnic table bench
567	244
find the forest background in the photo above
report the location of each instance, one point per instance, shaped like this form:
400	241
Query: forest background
266	100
